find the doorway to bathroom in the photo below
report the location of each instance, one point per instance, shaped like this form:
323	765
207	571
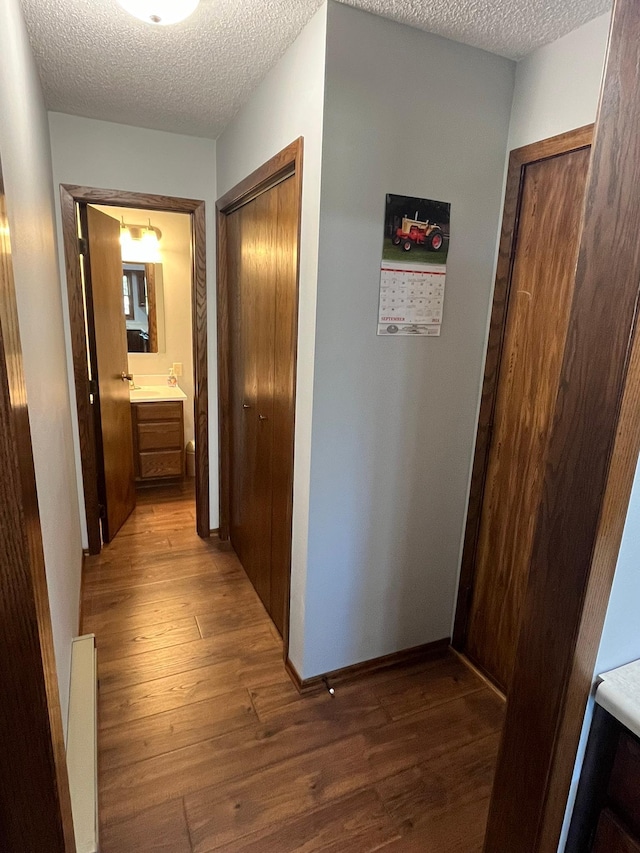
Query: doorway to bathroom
136	276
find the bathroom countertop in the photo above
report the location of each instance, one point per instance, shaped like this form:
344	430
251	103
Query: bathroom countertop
619	694
156	394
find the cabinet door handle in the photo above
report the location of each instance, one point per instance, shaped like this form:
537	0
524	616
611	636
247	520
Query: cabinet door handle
246	406
262	417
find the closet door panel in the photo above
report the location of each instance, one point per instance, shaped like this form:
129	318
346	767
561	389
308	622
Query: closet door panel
286	318
264	260
243	389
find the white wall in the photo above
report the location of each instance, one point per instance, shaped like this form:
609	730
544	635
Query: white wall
557	86
26	162
394	418
100	154
175	257
288	104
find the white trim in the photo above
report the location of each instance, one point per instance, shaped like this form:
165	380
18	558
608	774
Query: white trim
82	743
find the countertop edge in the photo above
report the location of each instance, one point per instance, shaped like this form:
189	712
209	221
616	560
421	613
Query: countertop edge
164	398
619	694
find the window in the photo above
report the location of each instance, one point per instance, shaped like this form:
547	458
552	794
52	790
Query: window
127	293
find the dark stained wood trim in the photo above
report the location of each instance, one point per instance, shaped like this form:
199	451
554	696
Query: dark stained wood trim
263	178
224	384
593	452
86	431
35	805
287	162
70	195
519	159
604	561
201	368
123	198
482	675
152	303
406	657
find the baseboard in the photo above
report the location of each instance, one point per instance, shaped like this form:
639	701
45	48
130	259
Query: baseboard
221	544
214	532
367	667
482	675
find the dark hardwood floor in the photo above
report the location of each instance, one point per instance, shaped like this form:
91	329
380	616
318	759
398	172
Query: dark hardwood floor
206	745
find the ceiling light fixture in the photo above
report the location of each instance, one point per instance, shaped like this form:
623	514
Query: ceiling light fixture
140	243
162	12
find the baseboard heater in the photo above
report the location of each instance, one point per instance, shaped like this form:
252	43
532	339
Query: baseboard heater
82	743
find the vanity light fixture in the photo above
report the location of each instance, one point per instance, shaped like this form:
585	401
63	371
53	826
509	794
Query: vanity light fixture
140	244
160	12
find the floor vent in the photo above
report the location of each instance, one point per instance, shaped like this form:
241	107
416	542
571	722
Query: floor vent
82	743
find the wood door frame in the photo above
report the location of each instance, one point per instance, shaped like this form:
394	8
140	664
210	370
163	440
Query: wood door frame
519	159
70	195
34	776
285	163
593	451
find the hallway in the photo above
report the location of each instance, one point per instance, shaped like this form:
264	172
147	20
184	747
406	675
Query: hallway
204	743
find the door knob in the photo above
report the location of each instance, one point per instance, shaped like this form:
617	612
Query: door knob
126	377
262	417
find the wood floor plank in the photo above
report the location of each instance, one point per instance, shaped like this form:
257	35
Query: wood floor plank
242	645
407	694
221	620
106	581
462	832
127	643
186	725
359	822
114	562
162	829
320	775
132	573
109	614
206	745
173	522
165	694
275	701
241	754
435	790
131	547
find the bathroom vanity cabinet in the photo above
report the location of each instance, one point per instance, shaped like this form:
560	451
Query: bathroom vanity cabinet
158	439
606	816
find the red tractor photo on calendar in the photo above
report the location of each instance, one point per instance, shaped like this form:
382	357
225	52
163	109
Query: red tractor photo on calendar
416	230
413	232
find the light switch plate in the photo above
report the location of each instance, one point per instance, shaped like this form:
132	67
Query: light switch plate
177	368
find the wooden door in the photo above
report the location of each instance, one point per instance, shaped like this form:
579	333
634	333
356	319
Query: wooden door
543	266
35	804
261	239
284	379
110	361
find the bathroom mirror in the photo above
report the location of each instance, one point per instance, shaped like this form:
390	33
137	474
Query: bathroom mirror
143	305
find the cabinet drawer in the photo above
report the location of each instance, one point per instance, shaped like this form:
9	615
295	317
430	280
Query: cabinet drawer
612	837
165	435
624	784
161	463
166	411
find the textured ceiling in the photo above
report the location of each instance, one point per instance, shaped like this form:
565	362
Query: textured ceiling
95	60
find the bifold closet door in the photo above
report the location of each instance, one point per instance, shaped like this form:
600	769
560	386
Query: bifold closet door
261	274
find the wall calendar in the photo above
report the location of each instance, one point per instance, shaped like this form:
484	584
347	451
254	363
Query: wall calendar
414	266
